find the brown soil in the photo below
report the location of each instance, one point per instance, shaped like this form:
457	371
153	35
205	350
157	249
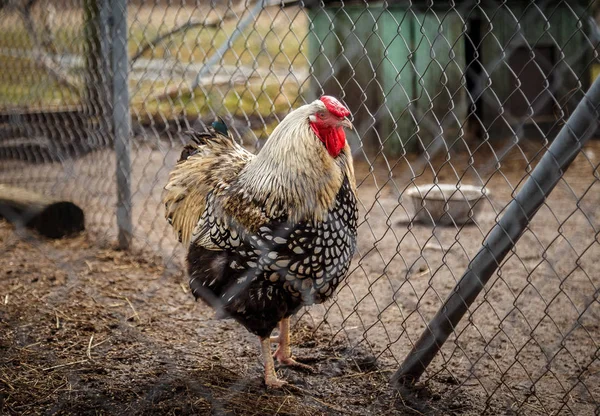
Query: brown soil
92	330
528	346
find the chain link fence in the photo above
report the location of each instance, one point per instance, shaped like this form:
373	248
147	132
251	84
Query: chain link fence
459	92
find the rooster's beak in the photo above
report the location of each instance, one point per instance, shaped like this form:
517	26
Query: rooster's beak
346	123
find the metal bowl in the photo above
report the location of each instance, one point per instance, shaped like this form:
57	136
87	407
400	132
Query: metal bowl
446	204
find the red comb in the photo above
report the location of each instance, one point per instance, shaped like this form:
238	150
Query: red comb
334	106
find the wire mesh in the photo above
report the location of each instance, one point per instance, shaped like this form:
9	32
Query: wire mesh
460	92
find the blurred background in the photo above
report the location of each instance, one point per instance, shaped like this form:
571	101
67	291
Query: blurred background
96	95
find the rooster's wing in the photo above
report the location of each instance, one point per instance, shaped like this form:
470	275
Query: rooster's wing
208	165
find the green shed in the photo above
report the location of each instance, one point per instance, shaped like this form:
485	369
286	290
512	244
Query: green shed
414	71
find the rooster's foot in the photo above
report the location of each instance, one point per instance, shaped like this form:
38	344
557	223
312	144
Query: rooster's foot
289	361
274	382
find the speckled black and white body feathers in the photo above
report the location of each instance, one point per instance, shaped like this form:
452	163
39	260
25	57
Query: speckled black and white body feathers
262	277
262	246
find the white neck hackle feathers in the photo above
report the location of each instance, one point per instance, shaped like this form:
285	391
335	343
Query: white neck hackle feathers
293	175
295	171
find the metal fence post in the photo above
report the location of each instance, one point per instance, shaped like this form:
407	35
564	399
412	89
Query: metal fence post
98	73
505	234
121	121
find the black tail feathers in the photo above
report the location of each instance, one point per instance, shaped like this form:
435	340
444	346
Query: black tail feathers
201	138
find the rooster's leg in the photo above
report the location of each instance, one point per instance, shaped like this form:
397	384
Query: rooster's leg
284	350
271	379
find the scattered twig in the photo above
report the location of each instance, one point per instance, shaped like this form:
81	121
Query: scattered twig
135	314
31	345
65	365
281	405
433	246
353	375
215	386
15	288
7	383
407	406
421	273
89	348
100	343
329	405
438	247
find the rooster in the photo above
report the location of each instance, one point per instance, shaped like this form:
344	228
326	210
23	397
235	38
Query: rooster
269	233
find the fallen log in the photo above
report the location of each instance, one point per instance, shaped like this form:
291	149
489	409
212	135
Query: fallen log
48	216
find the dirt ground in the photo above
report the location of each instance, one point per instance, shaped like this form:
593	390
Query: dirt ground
528	346
87	329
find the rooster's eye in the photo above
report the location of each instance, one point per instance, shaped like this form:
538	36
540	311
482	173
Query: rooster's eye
321	114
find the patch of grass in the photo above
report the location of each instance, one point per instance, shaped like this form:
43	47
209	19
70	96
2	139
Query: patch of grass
70	40
253	100
267	44
15	38
66	39
23	84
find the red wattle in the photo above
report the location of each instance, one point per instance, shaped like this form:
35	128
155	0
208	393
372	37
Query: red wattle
334	138
335	141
